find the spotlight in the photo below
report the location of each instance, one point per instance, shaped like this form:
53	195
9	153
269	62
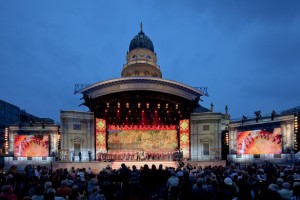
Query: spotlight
273	115
258	115
244	118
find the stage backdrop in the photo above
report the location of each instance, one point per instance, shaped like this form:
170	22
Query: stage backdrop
268	141
31	146
146	138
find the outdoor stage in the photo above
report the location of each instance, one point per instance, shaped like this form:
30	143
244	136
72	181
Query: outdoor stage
97	166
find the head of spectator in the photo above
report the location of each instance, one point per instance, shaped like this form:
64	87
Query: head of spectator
228	181
200	182
286	185
296	189
7	189
39	190
279	181
273	187
48	185
64	183
49	194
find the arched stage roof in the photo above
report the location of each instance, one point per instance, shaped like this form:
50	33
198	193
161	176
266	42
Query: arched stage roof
141	84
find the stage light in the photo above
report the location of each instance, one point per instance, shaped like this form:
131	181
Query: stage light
258	115
244	118
119	105
107	105
167	105
295	132
6	140
273	114
227	138
158	105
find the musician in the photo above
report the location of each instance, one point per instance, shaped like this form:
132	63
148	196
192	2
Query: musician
142	155
138	156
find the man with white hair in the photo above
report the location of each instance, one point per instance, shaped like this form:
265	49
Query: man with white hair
48	185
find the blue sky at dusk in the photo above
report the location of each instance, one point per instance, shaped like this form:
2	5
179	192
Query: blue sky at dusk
246	52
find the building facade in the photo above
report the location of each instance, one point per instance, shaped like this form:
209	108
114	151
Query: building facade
77	135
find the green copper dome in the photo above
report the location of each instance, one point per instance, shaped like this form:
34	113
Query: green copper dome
141	41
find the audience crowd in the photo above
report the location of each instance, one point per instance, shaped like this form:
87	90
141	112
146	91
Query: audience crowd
187	182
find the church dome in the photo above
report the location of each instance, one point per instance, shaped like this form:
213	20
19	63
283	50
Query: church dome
141	41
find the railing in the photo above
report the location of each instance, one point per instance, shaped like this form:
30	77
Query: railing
79	87
202	89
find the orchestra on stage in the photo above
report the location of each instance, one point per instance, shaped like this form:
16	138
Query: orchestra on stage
139	155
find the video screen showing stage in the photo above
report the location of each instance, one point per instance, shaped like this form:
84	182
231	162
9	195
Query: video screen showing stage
143	138
260	141
31	146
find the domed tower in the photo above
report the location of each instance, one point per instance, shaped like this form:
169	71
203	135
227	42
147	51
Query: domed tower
141	58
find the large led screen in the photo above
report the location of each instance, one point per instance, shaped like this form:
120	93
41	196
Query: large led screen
31	146
143	138
260	141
